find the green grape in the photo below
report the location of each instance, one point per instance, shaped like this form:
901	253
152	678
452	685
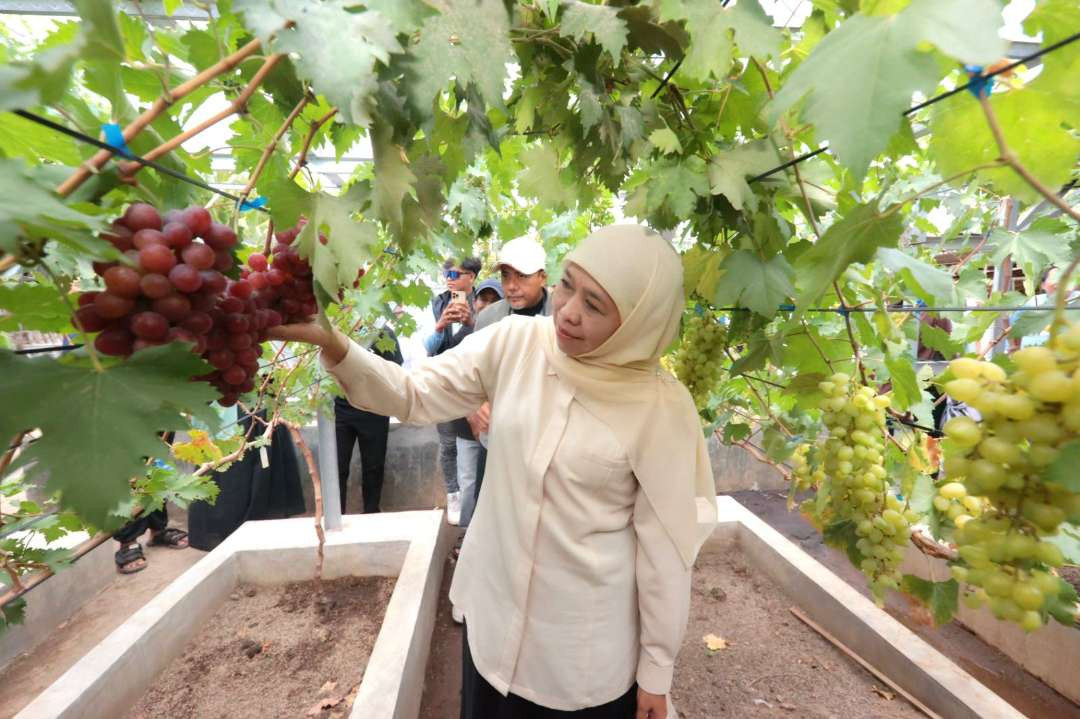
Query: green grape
697	360
1000	465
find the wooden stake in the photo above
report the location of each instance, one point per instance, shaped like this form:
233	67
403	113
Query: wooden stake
865	664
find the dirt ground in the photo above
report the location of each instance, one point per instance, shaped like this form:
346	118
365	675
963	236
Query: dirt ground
772	664
1028	694
442	682
286	651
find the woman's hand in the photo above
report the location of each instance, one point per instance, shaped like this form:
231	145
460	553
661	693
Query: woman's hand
334	344
651	706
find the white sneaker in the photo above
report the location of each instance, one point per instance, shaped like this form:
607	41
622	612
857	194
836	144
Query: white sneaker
457	615
453	508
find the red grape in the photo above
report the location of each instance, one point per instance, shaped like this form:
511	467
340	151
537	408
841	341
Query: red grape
223	261
157	258
119	236
172	216
222	358
115	343
246	357
177	235
198	323
273	318
88	320
141	216
240	342
228	400
149	326
179	334
241	289
111	306
257	261
142	343
122	281
155	286
231	305
185	278
258	280
236	323
101	267
235	375
276	277
213	281
198	256
145	238
217	339
220	237
87	298
197	219
174	307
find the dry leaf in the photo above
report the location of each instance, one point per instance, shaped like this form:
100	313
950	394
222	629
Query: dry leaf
714	643
762	702
323	705
889	696
327	688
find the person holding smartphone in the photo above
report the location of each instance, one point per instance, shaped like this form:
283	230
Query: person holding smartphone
453	310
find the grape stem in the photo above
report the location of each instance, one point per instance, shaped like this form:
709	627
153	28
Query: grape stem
269	149
129	169
95	163
313	471
313	129
1010	159
765	405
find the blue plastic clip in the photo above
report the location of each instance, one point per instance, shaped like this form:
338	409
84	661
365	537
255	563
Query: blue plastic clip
256	204
114	138
843	312
978	85
786	308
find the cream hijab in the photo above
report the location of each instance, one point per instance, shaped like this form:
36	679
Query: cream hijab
621	381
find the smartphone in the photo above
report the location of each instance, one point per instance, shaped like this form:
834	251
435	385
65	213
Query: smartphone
459	296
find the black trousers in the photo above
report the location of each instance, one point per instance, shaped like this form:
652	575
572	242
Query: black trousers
480	700
369	432
156	520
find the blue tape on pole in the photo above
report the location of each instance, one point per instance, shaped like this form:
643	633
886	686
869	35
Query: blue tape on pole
786	308
114	138
978	85
256	204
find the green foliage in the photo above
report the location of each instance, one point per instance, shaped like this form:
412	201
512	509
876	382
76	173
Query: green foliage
941	598
109	422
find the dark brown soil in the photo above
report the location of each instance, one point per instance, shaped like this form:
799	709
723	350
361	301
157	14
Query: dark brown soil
442	682
276	652
773	665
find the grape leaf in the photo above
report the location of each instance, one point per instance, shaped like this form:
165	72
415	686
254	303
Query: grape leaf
749	281
541	177
1063	470
729	169
881	69
1067	540
581	19
28	209
842	535
109	422
349	244
855	238
930	284
677	185
332	43
942	598
964	29
393	178
405	16
1033	249
13	612
939	340
666	141
469	41
921	501
905	386
1062	606
711	50
33	307
41	81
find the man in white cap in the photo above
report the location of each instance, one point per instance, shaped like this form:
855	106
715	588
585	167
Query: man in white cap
524	283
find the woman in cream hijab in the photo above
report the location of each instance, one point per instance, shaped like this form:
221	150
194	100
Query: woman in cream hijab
574	578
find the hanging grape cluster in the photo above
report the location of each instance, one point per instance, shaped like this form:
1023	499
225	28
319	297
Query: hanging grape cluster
173	288
849	469
1028	416
697	360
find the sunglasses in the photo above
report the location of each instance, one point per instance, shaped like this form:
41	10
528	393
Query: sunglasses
456	274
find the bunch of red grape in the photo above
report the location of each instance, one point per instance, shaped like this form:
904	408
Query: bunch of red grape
174	289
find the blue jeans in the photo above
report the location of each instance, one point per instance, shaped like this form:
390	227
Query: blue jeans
448	455
468	452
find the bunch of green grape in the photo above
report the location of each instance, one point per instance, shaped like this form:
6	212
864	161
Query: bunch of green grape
953	501
849	468
1028	416
697	361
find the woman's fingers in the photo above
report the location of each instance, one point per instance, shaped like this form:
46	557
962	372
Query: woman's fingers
311	334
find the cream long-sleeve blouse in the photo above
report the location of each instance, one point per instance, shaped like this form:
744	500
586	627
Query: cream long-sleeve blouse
570	586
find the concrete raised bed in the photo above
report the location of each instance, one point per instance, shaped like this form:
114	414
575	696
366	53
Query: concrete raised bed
1051	653
411	546
908	661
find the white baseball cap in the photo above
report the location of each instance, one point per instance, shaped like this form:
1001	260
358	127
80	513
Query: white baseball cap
524	254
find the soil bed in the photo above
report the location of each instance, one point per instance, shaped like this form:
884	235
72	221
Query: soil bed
773	665
276	652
